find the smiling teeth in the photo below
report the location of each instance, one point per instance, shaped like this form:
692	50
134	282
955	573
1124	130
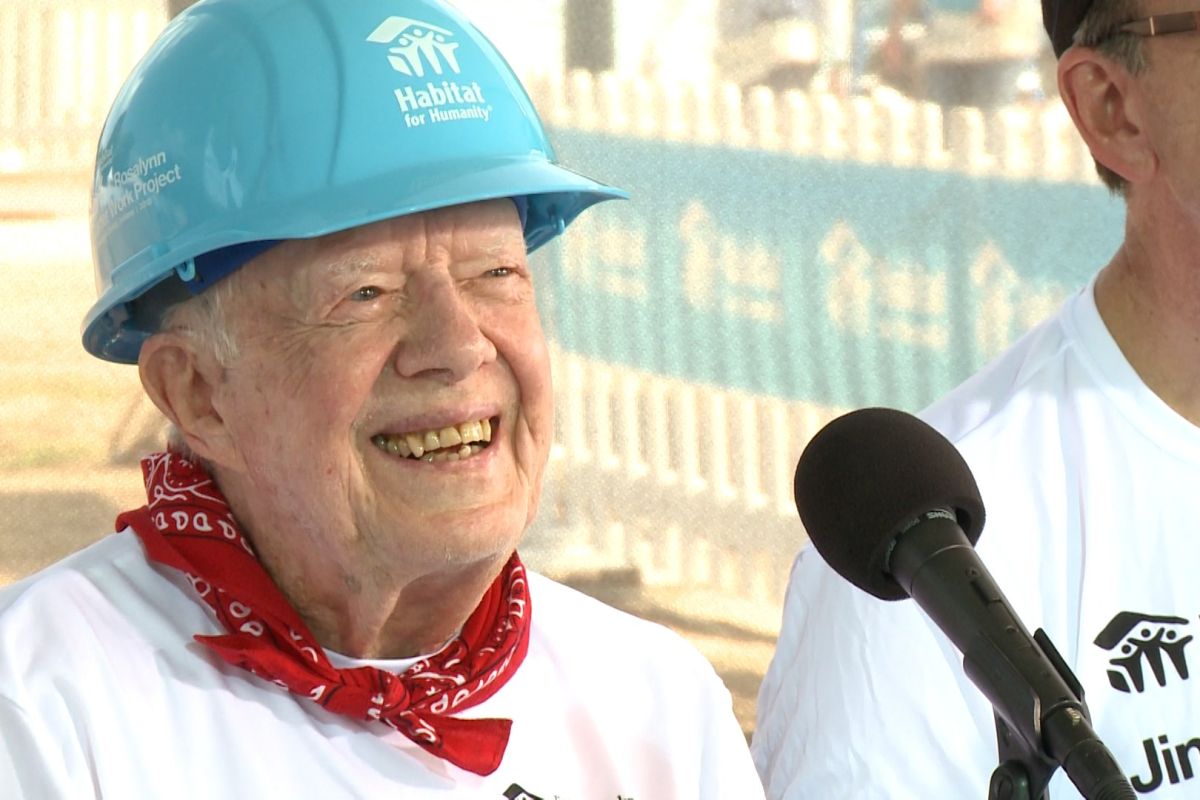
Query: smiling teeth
466	439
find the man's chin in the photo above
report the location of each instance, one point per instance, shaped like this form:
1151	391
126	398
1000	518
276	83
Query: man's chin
468	530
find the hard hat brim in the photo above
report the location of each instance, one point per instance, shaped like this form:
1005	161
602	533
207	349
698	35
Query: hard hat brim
556	197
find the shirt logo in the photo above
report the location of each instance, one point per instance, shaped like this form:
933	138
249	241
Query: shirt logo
515	792
1141	641
415	44
1166	761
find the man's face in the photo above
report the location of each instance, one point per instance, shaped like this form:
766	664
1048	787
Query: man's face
391	397
1172	110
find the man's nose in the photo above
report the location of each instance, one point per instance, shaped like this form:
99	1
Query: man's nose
443	339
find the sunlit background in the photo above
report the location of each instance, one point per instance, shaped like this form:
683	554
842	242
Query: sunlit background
835	204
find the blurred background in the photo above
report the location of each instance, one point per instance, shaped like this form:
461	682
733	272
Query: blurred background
835	204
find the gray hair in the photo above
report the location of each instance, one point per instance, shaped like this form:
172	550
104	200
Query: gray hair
176	443
205	320
1100	29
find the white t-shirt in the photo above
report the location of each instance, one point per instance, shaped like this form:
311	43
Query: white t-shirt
103	693
1092	489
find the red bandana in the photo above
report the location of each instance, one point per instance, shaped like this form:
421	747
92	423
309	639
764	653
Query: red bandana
188	525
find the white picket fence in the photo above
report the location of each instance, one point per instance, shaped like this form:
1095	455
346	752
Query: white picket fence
689	484
62	61
1029	141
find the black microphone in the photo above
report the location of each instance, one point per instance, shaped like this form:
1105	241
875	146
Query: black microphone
892	507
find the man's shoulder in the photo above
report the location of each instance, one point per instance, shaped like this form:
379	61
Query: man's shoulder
95	598
49	621
70	580
624	671
586	625
1031	369
560	604
859	681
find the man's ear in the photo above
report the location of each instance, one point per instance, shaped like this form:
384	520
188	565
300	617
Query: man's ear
181	381
1105	103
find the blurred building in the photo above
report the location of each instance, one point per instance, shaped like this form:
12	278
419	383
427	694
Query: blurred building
952	52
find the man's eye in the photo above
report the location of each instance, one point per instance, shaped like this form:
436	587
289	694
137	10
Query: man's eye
500	272
366	294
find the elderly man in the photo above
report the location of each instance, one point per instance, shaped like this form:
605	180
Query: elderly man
310	225
1084	441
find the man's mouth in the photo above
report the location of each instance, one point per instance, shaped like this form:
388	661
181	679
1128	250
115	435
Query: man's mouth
443	444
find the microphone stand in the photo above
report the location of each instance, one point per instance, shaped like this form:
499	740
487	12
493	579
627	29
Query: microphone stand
1025	771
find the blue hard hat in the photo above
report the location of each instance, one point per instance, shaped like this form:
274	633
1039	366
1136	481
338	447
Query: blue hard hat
253	121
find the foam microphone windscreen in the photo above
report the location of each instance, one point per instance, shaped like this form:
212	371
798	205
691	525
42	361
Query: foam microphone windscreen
866	475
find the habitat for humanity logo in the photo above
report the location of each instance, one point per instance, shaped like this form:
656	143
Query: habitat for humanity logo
1144	641
417	48
1149	649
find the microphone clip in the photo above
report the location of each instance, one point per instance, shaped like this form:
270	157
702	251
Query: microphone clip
1025	771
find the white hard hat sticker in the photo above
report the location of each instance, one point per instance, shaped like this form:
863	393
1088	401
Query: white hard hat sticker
421	50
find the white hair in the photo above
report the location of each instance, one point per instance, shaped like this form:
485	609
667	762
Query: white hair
205	320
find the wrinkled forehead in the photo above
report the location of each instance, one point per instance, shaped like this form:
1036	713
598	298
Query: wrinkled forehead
487	229
488	223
